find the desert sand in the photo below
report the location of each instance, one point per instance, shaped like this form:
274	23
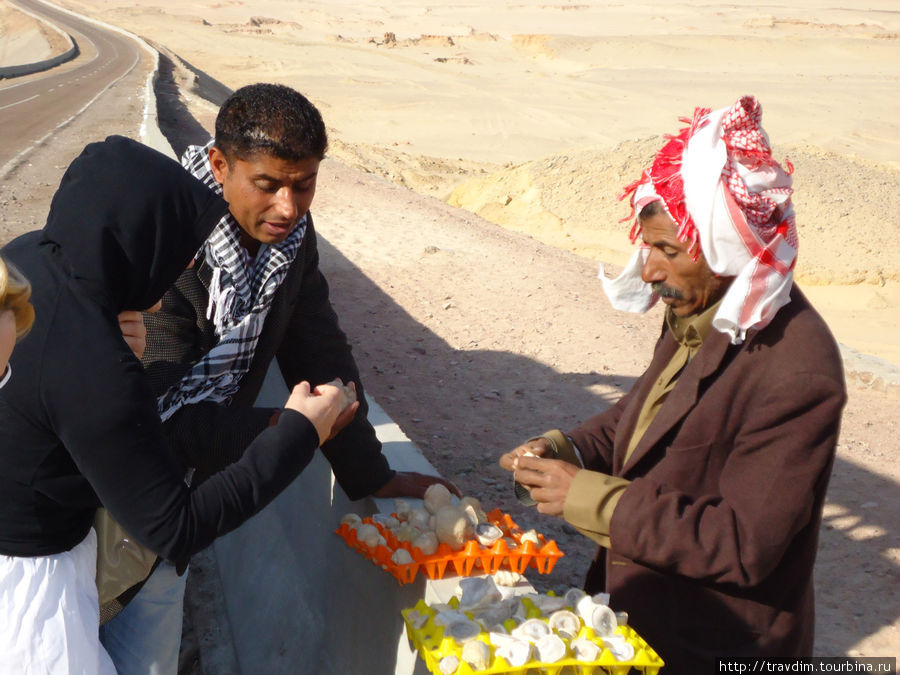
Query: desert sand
533	116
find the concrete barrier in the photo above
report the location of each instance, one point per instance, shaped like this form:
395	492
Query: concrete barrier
45	64
298	599
150	132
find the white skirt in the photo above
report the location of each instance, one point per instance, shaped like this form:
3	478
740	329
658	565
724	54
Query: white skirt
49	613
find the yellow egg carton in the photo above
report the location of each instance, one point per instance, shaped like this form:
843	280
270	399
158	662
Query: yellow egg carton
433	646
474	558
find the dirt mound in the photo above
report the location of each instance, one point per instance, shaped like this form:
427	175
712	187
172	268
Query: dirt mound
533	44
433	176
570	200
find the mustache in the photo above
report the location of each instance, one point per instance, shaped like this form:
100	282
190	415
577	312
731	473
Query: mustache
664	291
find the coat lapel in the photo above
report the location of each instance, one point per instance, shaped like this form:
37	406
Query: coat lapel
680	401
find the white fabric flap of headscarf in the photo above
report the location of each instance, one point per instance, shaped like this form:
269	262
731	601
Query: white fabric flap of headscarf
701	170
628	292
730	246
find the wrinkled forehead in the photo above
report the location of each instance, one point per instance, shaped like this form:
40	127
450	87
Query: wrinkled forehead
659	229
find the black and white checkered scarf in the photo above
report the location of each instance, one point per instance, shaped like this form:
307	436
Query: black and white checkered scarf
240	296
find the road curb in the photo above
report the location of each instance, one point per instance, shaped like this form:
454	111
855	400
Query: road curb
46	64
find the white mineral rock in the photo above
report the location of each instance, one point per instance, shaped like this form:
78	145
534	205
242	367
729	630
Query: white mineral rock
449	664
531	630
550	648
477	654
452	527
427	542
565	623
437	496
516	652
475	592
351	519
584	650
507	578
401	557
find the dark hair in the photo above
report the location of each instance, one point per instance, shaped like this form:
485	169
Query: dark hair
270	118
652	209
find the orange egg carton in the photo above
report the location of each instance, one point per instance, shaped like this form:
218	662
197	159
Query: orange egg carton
508	552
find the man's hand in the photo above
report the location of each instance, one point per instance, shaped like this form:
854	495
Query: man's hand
347	414
547	480
343	420
540	447
321	406
131	324
412	484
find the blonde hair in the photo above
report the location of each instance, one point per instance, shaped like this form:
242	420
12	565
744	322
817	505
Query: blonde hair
15	291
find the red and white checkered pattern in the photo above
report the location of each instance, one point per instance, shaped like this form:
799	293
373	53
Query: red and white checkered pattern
724	191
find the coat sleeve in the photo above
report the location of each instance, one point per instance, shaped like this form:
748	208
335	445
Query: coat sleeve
101	407
595	437
773	478
594	493
315	349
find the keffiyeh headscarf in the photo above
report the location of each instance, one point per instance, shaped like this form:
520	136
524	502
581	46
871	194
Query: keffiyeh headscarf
718	182
240	296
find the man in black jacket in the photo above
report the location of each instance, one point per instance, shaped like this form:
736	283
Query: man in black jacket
254	293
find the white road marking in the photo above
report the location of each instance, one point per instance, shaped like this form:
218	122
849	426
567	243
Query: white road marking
140	44
24	100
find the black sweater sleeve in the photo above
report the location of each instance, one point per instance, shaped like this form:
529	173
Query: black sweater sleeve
102	409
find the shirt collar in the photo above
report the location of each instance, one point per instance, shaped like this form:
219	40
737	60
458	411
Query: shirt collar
691	331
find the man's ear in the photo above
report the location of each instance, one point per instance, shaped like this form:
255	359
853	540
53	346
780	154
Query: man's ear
219	164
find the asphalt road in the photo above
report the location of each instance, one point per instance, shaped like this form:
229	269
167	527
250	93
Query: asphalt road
33	106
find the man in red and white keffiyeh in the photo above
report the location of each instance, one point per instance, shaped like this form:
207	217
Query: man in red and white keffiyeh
704	485
731	201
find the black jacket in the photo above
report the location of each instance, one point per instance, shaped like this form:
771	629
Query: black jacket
78	419
302	330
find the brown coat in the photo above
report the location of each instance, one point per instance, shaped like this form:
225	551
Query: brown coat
713	542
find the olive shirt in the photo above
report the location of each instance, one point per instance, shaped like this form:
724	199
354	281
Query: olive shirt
605	490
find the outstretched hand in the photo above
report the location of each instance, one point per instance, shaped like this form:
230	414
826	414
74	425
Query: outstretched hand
349	411
412	484
321	407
